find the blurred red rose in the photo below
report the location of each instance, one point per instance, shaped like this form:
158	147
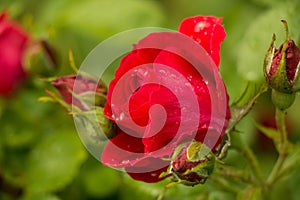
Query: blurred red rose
143	81
13	42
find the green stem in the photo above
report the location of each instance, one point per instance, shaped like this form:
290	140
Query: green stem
253	162
280	122
238	143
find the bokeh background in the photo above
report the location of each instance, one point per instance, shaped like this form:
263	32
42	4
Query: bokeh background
40	150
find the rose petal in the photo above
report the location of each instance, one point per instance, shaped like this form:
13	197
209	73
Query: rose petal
130	61
122	150
148	170
207	31
161	129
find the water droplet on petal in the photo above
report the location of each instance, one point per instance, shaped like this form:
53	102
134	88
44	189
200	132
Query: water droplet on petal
153	174
189	78
121	117
200	26
125	162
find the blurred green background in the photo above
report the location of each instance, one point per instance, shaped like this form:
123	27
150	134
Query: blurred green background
40	150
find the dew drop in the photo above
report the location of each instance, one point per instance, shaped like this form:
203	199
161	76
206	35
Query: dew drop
121	117
173	76
145	73
200	26
125	162
162	71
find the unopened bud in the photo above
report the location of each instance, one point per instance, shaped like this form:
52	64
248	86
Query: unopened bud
83	92
281	66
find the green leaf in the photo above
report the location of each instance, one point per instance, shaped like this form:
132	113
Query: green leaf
254	46
54	162
250	193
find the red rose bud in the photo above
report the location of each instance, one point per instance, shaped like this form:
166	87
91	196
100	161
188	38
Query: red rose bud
194	165
281	65
86	92
13	42
89	96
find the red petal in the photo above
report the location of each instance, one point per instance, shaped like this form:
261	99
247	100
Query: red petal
130	61
207	31
147	171
122	150
161	127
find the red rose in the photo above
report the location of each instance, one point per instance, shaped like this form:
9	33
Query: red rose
166	92
85	88
13	41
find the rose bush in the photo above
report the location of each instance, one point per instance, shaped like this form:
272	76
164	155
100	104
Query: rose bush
160	99
13	42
